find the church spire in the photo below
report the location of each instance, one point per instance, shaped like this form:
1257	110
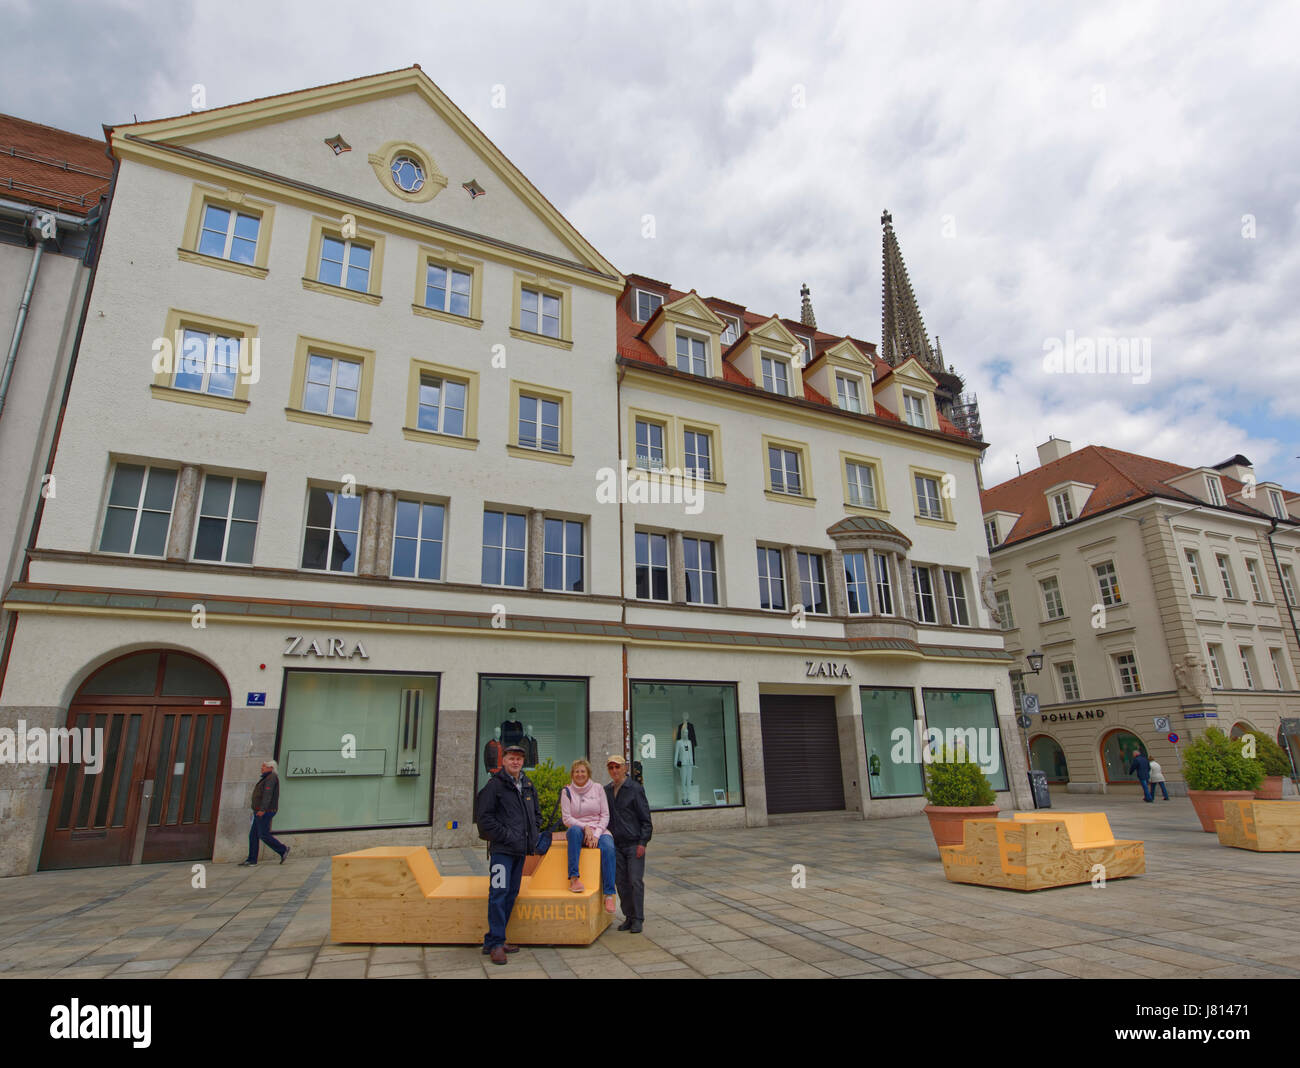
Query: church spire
806	315
902	333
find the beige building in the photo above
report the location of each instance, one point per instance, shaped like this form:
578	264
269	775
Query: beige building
351	476
1152	591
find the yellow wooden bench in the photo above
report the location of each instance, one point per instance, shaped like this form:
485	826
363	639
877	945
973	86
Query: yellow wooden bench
1264	826
395	894
1036	850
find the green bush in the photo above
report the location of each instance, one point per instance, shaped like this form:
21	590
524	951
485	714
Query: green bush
951	784
1270	754
1214	762
549	780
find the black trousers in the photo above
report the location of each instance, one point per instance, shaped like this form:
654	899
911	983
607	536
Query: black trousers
629	877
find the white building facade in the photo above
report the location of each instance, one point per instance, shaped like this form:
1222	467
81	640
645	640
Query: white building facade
335	487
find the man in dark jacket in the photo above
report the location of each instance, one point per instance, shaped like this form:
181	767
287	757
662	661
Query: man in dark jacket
1141	767
629	824
509	817
265	802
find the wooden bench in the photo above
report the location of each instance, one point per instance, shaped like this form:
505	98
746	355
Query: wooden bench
395	894
1037	850
1264	826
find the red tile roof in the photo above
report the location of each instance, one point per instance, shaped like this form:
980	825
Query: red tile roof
1118	477
51	168
631	346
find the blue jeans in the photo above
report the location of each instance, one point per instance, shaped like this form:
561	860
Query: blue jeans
606	845
1147	795
505	873
260	830
1161	784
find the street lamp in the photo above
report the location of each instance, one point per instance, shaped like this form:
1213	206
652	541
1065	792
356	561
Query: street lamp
1035	662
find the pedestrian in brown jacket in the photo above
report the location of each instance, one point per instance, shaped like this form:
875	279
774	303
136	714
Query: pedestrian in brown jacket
265	802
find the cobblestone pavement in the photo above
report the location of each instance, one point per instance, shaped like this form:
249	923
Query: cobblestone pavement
718	904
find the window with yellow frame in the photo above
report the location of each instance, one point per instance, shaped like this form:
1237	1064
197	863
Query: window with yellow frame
203	360
227	229
332	385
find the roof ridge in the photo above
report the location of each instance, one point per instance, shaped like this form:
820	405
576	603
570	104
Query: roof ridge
269	96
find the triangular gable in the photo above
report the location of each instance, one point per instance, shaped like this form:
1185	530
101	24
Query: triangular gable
235	131
688	309
844	351
909	370
776	332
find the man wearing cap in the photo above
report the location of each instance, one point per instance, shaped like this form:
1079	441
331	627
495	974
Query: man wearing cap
629	824
509	817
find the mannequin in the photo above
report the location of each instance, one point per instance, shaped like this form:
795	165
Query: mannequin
512	731
492	752
530	743
684	759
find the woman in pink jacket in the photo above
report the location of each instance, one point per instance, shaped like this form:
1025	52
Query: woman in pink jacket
586	813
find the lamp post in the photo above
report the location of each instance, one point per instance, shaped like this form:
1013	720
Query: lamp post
1035	661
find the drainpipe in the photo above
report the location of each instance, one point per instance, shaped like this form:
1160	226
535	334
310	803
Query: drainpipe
622	589
46	222
1273	549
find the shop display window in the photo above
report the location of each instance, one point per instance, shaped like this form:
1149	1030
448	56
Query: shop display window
966	710
1049	758
546	715
1117	751
686	739
886	710
356	750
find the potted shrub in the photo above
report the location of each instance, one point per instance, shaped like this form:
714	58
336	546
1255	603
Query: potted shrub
1216	771
1277	765
549	781
957	791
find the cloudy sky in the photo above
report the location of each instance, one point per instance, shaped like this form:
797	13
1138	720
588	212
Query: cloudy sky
1059	176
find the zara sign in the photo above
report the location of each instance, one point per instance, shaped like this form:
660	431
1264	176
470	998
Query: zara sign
333	647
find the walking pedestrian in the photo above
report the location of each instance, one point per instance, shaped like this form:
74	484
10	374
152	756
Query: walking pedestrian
1158	779
265	802
1141	767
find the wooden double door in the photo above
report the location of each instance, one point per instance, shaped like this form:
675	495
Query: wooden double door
156	796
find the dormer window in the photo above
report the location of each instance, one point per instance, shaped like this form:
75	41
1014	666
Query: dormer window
991	532
914	410
807	344
1063	507
646	304
849	391
692	354
776	375
1279	506
1215	490
731	333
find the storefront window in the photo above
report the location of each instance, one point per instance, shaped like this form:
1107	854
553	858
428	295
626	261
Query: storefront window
1117	751
1049	758
356	750
969	716
885	711
547	716
686	737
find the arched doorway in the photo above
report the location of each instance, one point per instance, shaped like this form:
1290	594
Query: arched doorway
1049	758
1117	750
1239	728
161	718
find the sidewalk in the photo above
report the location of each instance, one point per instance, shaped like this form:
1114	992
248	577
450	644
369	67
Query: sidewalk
719	904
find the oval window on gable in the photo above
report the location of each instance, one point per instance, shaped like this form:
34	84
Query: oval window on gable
408	174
